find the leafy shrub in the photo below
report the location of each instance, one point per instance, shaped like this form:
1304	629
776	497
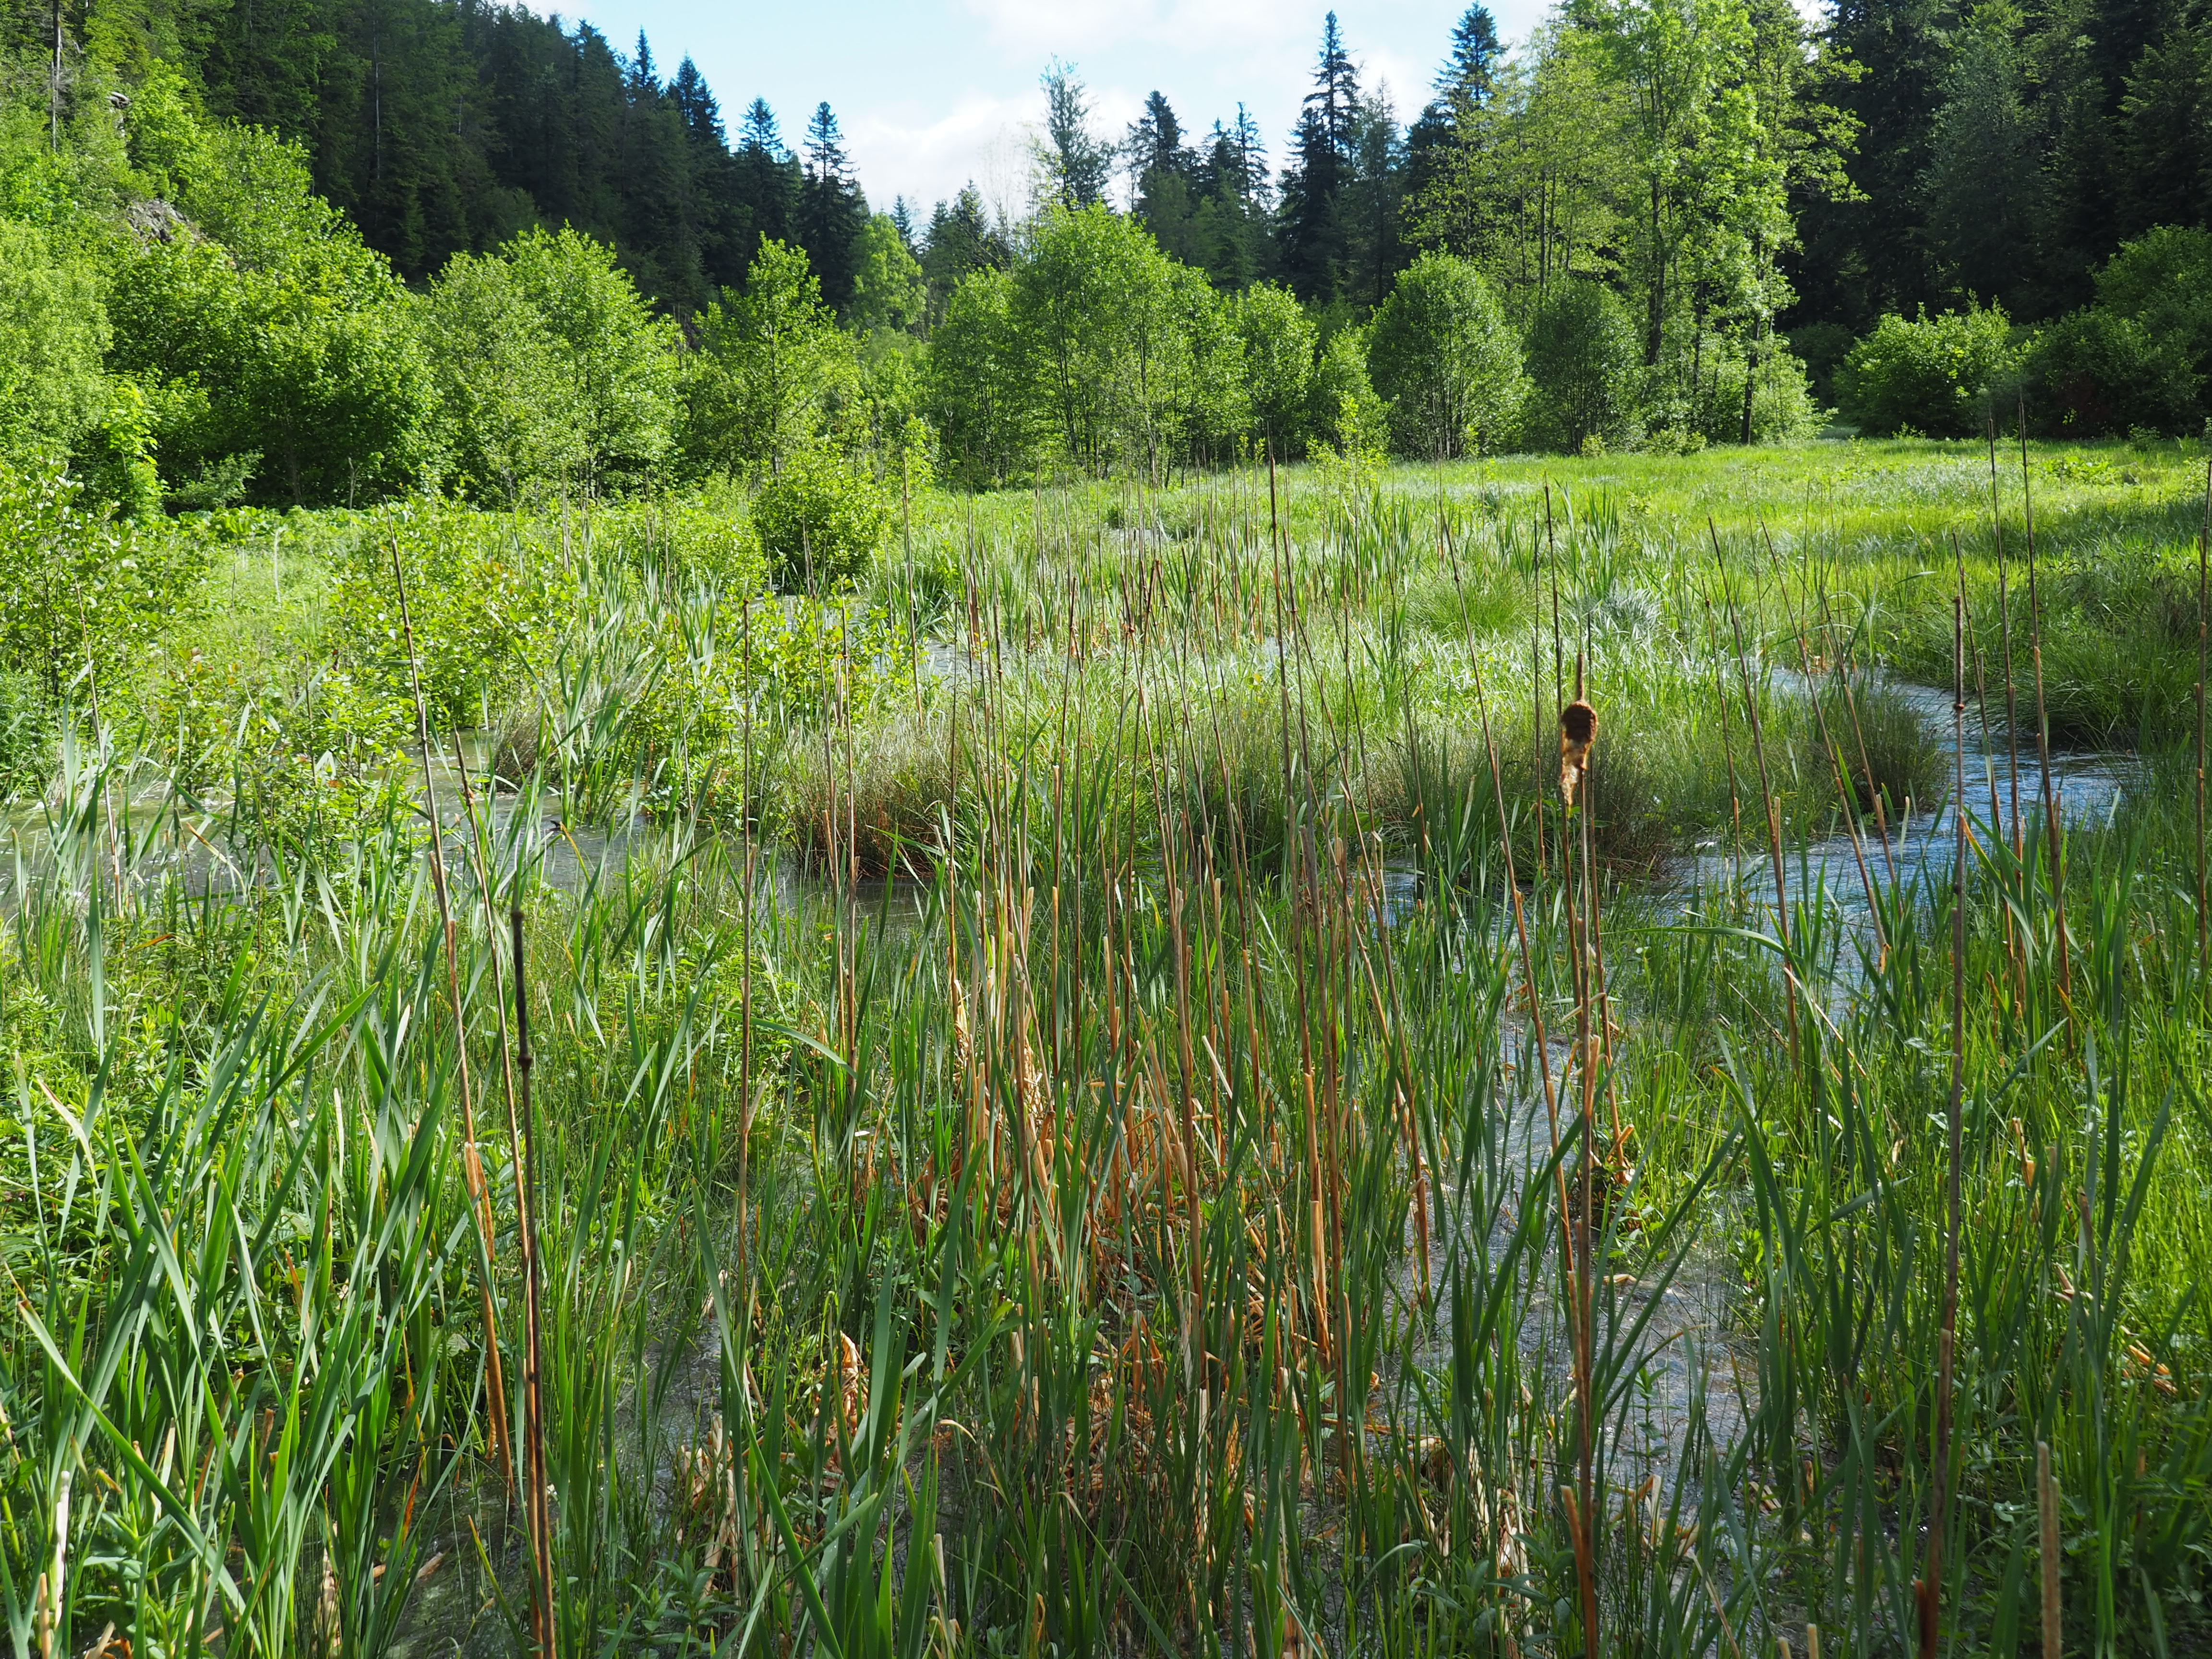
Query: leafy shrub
52	332
25	731
975	382
1344	410
480	600
821	521
771	368
81	589
1932	376
1443	354
2147	359
2163	280
1279	347
293	344
2100	373
1583	365
1782	405
695	541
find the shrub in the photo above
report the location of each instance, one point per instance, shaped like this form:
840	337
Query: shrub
2101	373
1932	374
26	732
975	382
770	370
1583	365
293	342
1342	408
1280	344
480	599
1781	402
2163	280
82	589
1443	354
821	521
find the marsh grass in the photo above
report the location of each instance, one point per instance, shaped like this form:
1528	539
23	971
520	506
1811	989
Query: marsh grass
1167	1232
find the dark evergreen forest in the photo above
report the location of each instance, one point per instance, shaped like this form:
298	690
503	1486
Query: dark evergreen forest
2000	151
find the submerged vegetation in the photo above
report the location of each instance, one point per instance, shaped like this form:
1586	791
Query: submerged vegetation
1092	1089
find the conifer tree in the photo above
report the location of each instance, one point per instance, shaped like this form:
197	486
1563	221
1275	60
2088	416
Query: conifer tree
832	212
1310	222
1074	161
764	205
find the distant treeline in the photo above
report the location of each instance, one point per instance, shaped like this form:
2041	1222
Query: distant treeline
1927	149
299	251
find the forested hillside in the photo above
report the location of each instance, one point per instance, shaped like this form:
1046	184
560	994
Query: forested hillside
326	250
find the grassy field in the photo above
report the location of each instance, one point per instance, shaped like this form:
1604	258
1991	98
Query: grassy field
1094	1095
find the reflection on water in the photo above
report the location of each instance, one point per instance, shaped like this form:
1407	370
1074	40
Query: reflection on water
2004	785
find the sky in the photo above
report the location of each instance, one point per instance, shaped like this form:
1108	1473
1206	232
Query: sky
932	93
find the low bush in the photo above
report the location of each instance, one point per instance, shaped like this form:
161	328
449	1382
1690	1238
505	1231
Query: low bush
1931	375
1441	351
2140	358
1583	365
821	522
2097	374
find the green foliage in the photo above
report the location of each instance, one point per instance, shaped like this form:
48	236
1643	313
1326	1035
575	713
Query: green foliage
1583	367
617	358
166	139
2143	354
1280	343
1446	359
771	371
26	732
291	345
977	385
888	287
694	540
1934	375
115	457
2164	281
822	521
482	600
53	332
1345	411
509	423
1210	409
2099	373
1104	336
84	591
1987	194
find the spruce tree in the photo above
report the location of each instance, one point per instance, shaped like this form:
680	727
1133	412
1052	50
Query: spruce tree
1162	169
1075	161
1464	86
1311	227
1868	252
764	206
961	241
832	212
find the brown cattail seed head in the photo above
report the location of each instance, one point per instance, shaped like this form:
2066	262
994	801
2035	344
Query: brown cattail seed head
1577	732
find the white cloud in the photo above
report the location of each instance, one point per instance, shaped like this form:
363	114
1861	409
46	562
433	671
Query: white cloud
1068	27
983	139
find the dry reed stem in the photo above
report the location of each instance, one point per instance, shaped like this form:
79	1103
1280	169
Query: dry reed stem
471	1162
2046	1511
537	1507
